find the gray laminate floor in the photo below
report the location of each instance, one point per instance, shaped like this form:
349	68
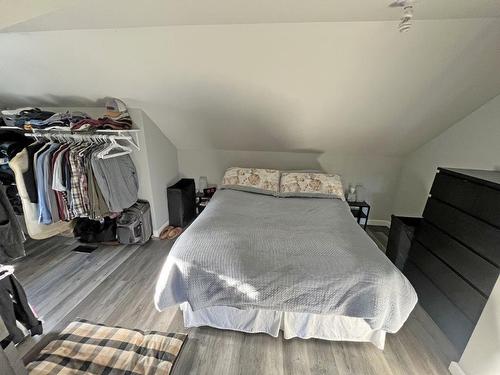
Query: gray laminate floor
114	285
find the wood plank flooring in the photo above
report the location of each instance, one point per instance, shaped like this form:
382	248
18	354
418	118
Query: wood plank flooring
115	284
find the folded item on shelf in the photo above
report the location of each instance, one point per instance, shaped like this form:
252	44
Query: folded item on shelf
120	123
22	116
57	120
115	118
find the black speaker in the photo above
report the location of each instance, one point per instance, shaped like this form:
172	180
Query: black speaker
181	202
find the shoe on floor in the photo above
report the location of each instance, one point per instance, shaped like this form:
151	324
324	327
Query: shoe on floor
174	233
164	232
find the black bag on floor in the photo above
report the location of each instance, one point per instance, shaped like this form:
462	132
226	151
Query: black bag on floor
91	231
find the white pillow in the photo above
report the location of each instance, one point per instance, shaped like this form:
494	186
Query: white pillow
264	181
315	185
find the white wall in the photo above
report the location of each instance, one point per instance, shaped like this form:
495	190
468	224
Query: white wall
156	165
140	158
163	170
473	142
482	354
377	174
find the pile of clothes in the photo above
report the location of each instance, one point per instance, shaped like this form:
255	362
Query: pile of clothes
28	118
22	116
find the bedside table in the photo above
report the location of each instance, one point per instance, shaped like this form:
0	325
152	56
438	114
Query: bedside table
201	200
361	211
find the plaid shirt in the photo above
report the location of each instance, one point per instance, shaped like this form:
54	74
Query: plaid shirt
84	187
77	188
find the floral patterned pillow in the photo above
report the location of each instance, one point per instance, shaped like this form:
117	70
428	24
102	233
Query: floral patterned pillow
316	185
264	181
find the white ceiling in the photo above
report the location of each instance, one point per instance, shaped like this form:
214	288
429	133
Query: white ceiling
99	14
357	87
14	12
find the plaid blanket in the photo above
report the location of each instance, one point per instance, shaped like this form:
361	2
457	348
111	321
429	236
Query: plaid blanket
87	348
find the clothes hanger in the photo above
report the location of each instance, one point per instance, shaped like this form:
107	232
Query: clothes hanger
104	154
90	143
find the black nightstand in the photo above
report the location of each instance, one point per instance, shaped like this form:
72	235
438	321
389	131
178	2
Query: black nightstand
202	200
361	211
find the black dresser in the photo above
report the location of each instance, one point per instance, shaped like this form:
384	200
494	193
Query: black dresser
454	258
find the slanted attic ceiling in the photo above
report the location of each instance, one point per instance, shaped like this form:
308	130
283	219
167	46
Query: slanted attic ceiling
238	82
98	14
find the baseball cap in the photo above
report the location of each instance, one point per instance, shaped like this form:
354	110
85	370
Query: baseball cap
115	107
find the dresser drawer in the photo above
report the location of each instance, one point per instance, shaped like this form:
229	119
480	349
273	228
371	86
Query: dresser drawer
458	291
479	272
445	314
483	238
478	200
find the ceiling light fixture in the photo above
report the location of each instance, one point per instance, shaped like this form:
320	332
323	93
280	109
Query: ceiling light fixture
407	5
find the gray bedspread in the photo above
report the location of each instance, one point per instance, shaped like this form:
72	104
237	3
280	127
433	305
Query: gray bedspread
253	251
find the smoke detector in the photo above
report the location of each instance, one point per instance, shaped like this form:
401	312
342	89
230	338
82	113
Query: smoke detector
407	16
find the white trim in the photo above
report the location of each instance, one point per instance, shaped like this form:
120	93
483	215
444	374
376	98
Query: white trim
156	232
384	223
455	369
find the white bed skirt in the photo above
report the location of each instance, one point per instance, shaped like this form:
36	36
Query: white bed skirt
305	326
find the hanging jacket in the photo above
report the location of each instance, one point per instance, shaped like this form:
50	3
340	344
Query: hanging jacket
11	235
19	165
14	307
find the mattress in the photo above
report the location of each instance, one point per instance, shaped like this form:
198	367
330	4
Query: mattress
301	255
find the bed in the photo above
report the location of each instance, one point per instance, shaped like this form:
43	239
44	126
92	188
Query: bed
259	263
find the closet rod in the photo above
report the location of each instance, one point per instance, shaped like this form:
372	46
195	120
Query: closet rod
99	134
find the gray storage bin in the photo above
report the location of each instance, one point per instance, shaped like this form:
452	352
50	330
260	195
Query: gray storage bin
134	226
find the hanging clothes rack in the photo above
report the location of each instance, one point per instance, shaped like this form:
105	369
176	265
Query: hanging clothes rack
70	176
129	136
